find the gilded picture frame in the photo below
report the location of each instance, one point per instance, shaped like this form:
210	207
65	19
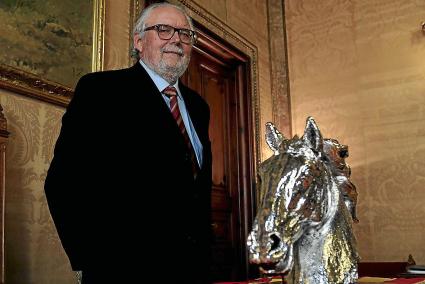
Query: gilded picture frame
56	91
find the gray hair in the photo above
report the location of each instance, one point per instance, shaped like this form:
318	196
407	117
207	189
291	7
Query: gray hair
141	22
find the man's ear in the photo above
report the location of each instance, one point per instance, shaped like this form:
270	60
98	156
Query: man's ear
138	42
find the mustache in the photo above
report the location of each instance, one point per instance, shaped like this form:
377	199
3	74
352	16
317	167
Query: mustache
172	49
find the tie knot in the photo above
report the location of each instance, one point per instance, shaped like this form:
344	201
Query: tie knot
170	91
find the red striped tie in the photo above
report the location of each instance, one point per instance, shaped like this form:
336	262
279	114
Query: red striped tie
171	92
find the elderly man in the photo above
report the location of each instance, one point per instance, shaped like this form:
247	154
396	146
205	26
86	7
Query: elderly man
129	186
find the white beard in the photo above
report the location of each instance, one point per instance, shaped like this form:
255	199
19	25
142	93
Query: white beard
171	73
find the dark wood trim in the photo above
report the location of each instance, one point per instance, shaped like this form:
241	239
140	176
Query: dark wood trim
33	86
247	174
4	134
230	57
209	56
382	269
226	52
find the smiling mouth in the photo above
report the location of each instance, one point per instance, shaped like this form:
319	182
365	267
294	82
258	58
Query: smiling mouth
174	52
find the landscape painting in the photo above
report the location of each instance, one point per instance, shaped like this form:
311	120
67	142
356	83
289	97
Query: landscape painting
49	39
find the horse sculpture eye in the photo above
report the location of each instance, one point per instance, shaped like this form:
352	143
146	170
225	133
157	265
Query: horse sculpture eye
343	153
307	181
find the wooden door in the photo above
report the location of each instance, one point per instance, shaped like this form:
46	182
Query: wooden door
219	74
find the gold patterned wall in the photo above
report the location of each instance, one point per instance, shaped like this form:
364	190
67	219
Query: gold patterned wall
358	67
33	251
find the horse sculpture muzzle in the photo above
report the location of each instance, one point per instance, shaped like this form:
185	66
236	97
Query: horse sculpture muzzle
274	256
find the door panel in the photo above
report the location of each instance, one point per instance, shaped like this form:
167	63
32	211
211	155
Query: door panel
219	73
216	82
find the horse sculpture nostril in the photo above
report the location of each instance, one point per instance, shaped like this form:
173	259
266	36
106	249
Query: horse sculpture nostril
343	153
275	241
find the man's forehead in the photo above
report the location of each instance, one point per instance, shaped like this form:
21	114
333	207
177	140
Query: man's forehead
167	15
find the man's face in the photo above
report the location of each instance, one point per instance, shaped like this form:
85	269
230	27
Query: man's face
168	58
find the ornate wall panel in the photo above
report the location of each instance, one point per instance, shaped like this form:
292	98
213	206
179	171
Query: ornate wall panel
33	251
4	135
279	66
357	67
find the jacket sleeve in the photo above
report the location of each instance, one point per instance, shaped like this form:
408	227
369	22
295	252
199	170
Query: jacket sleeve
64	185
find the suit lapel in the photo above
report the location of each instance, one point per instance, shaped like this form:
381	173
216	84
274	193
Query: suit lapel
154	106
152	96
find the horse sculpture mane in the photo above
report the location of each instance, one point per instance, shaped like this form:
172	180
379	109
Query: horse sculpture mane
303	227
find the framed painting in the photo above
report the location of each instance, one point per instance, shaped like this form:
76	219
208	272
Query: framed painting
47	45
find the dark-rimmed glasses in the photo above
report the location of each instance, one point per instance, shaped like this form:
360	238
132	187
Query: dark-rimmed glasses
166	32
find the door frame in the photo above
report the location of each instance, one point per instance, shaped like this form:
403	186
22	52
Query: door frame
242	198
240	49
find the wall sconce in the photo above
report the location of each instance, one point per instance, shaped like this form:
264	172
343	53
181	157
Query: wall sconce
423	27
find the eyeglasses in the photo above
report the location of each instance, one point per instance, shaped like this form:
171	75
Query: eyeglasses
166	32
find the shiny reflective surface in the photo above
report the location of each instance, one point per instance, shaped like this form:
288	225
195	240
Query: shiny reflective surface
341	171
303	225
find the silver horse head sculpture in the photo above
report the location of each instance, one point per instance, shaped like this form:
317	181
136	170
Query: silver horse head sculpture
303	227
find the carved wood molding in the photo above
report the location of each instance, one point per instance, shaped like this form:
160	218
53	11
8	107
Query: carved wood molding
136	7
33	86
4	134
3	124
98	52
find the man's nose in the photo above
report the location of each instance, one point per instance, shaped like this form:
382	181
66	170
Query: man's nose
175	37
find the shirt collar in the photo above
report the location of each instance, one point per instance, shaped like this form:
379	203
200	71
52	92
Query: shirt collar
160	82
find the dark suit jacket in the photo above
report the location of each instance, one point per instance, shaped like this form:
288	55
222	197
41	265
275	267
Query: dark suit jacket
120	187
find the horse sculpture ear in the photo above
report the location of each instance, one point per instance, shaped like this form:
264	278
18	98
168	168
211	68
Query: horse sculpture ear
274	138
312	135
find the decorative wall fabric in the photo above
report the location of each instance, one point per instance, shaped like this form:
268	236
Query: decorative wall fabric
358	68
33	251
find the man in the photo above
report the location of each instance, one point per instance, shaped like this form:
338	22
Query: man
129	184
